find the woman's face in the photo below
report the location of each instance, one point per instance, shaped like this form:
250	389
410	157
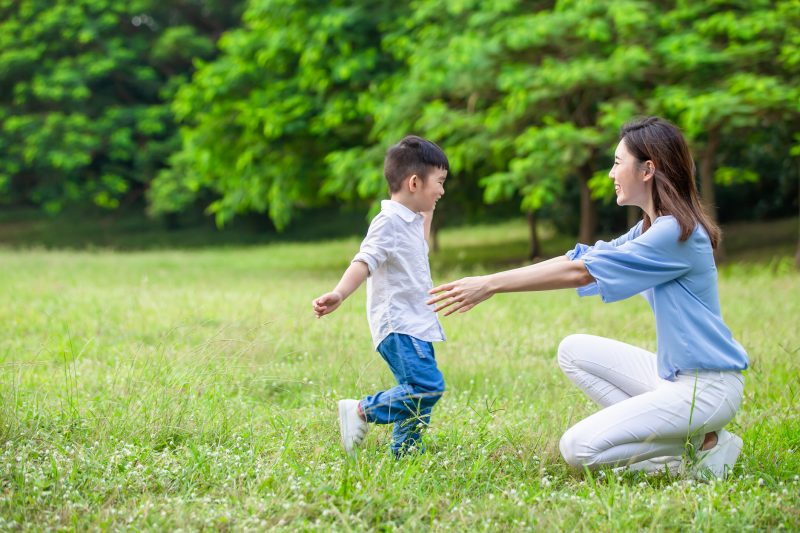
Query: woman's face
631	181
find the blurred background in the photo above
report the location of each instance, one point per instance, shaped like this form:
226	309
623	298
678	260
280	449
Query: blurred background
194	122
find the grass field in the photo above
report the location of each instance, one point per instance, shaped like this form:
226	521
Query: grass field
194	390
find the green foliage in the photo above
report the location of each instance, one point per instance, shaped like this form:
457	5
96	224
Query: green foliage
730	175
288	89
298	101
731	70
84	93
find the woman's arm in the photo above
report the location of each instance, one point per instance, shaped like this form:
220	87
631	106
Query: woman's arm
466	293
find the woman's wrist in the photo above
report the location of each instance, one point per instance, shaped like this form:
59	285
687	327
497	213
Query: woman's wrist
490	284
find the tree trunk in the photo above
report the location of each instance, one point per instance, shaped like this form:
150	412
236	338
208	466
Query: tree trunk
534	249
588	225
797	255
707	174
707	196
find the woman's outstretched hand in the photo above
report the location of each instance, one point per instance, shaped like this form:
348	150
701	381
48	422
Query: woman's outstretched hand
461	295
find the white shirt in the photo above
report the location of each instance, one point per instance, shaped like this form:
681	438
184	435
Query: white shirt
399	279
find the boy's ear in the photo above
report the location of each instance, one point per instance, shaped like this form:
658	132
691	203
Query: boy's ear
413	183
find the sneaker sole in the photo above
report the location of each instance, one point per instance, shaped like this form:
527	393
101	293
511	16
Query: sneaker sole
342	418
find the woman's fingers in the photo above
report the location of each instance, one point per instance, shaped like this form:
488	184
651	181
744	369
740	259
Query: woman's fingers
457	306
451	297
445	305
454	302
442	287
436	299
442	292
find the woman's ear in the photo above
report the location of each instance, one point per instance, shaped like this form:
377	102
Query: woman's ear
649	170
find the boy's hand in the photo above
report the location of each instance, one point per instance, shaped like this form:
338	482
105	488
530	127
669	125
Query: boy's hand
327	303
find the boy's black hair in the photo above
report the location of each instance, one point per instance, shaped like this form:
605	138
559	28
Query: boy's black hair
412	155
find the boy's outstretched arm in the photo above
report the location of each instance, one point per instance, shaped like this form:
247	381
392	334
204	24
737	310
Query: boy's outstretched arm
352	278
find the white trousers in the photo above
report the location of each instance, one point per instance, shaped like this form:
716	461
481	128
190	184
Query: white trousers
643	416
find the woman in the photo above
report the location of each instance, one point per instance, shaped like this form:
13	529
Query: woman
655	406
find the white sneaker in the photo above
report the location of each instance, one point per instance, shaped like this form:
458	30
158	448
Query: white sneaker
656	464
718	461
352	428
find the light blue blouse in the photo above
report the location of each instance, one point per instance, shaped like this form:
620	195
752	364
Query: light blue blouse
679	280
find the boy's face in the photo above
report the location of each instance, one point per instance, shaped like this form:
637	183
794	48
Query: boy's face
431	189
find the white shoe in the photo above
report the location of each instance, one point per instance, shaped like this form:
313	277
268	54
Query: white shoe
718	461
352	428
656	464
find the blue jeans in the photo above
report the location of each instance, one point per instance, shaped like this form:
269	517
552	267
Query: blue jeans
408	405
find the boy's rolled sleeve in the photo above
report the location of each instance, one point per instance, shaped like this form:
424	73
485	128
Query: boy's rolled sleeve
377	245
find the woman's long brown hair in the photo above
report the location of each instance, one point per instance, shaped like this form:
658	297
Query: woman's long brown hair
674	190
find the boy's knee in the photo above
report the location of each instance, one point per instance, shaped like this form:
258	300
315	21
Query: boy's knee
432	391
434	383
437	391
440	387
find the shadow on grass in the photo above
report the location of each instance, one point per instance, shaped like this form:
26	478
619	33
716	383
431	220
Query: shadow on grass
132	230
504	253
744	242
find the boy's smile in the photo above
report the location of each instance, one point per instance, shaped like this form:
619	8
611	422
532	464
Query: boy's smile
420	195
431	190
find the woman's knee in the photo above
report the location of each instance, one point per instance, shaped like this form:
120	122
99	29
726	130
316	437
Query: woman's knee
569	348
567	447
575	450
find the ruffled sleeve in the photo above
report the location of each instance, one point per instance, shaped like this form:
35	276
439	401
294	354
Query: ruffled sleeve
652	258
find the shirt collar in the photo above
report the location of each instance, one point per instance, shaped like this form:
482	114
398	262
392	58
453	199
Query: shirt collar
399	209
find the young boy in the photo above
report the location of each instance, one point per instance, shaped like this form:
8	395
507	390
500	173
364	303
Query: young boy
394	260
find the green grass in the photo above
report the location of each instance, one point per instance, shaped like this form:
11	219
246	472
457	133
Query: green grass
160	390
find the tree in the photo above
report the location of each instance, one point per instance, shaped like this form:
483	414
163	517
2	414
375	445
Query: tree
444	78
84	87
727	74
288	88
512	91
